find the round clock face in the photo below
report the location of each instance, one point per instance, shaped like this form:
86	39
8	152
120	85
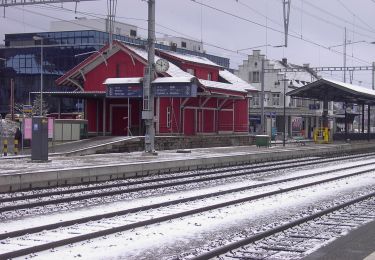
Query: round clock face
161	65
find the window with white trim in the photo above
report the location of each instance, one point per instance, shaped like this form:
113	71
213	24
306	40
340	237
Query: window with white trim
275	99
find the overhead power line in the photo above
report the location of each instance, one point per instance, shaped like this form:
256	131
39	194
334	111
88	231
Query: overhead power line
336	17
356	16
6	3
275	30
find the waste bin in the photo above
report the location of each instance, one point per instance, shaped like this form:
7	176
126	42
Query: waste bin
262	140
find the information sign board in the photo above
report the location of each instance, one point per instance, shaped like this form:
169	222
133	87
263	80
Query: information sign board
121	91
175	90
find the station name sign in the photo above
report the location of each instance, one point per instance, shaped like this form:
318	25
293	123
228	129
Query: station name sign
124	90
158	89
175	90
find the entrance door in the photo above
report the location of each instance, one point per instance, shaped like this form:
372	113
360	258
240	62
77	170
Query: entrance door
119	115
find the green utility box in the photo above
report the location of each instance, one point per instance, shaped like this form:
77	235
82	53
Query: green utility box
262	141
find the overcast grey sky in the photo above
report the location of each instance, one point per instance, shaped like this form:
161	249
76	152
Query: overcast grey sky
236	24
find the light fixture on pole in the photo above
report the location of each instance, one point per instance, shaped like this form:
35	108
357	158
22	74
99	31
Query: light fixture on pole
38	38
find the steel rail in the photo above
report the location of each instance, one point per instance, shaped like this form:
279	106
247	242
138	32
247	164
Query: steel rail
232	246
109	231
151	187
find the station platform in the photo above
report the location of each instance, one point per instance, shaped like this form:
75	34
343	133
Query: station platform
18	173
359	244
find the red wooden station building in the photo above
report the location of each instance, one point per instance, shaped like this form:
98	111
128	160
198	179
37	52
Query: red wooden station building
193	96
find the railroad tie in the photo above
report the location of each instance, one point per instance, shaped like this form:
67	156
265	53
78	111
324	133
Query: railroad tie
5	147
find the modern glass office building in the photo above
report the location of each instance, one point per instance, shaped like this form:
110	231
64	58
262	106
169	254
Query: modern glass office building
20	60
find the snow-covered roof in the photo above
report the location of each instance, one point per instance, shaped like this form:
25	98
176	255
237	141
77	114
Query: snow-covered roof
191	58
236	81
355	88
174	79
337	91
298	78
221	85
114	81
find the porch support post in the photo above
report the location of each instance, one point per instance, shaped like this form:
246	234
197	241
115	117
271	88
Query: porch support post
104	115
59	108
233	116
97	117
128	128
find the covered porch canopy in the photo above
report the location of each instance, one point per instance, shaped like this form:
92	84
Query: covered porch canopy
328	90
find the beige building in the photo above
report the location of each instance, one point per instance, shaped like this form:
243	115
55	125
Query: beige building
301	115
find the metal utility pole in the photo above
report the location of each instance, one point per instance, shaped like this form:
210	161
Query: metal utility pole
373	75
262	127
148	97
344	55
286	12
110	22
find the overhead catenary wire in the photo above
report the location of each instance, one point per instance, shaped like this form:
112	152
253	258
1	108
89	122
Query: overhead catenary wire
356	16
220	47
274	29
331	15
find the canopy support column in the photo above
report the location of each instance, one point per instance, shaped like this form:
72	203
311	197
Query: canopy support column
368	122
346	122
363	118
325	112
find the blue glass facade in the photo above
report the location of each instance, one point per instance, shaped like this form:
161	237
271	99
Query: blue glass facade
23	56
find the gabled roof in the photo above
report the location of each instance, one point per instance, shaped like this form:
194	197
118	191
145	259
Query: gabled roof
296	79
235	85
336	91
237	82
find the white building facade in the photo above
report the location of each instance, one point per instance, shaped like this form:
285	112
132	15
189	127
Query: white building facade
182	43
301	115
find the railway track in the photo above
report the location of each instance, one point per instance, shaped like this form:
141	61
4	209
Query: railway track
30	240
42	198
298	238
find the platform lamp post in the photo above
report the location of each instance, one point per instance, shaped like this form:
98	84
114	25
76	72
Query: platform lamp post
38	38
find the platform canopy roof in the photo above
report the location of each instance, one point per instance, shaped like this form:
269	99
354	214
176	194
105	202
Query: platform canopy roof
337	91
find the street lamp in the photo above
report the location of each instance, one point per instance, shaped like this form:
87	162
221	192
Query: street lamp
38	38
284	112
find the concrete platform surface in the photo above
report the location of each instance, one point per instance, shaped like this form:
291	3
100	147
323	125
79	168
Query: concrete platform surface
22	164
357	245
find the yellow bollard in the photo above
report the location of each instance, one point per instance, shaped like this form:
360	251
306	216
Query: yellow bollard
15	146
5	148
